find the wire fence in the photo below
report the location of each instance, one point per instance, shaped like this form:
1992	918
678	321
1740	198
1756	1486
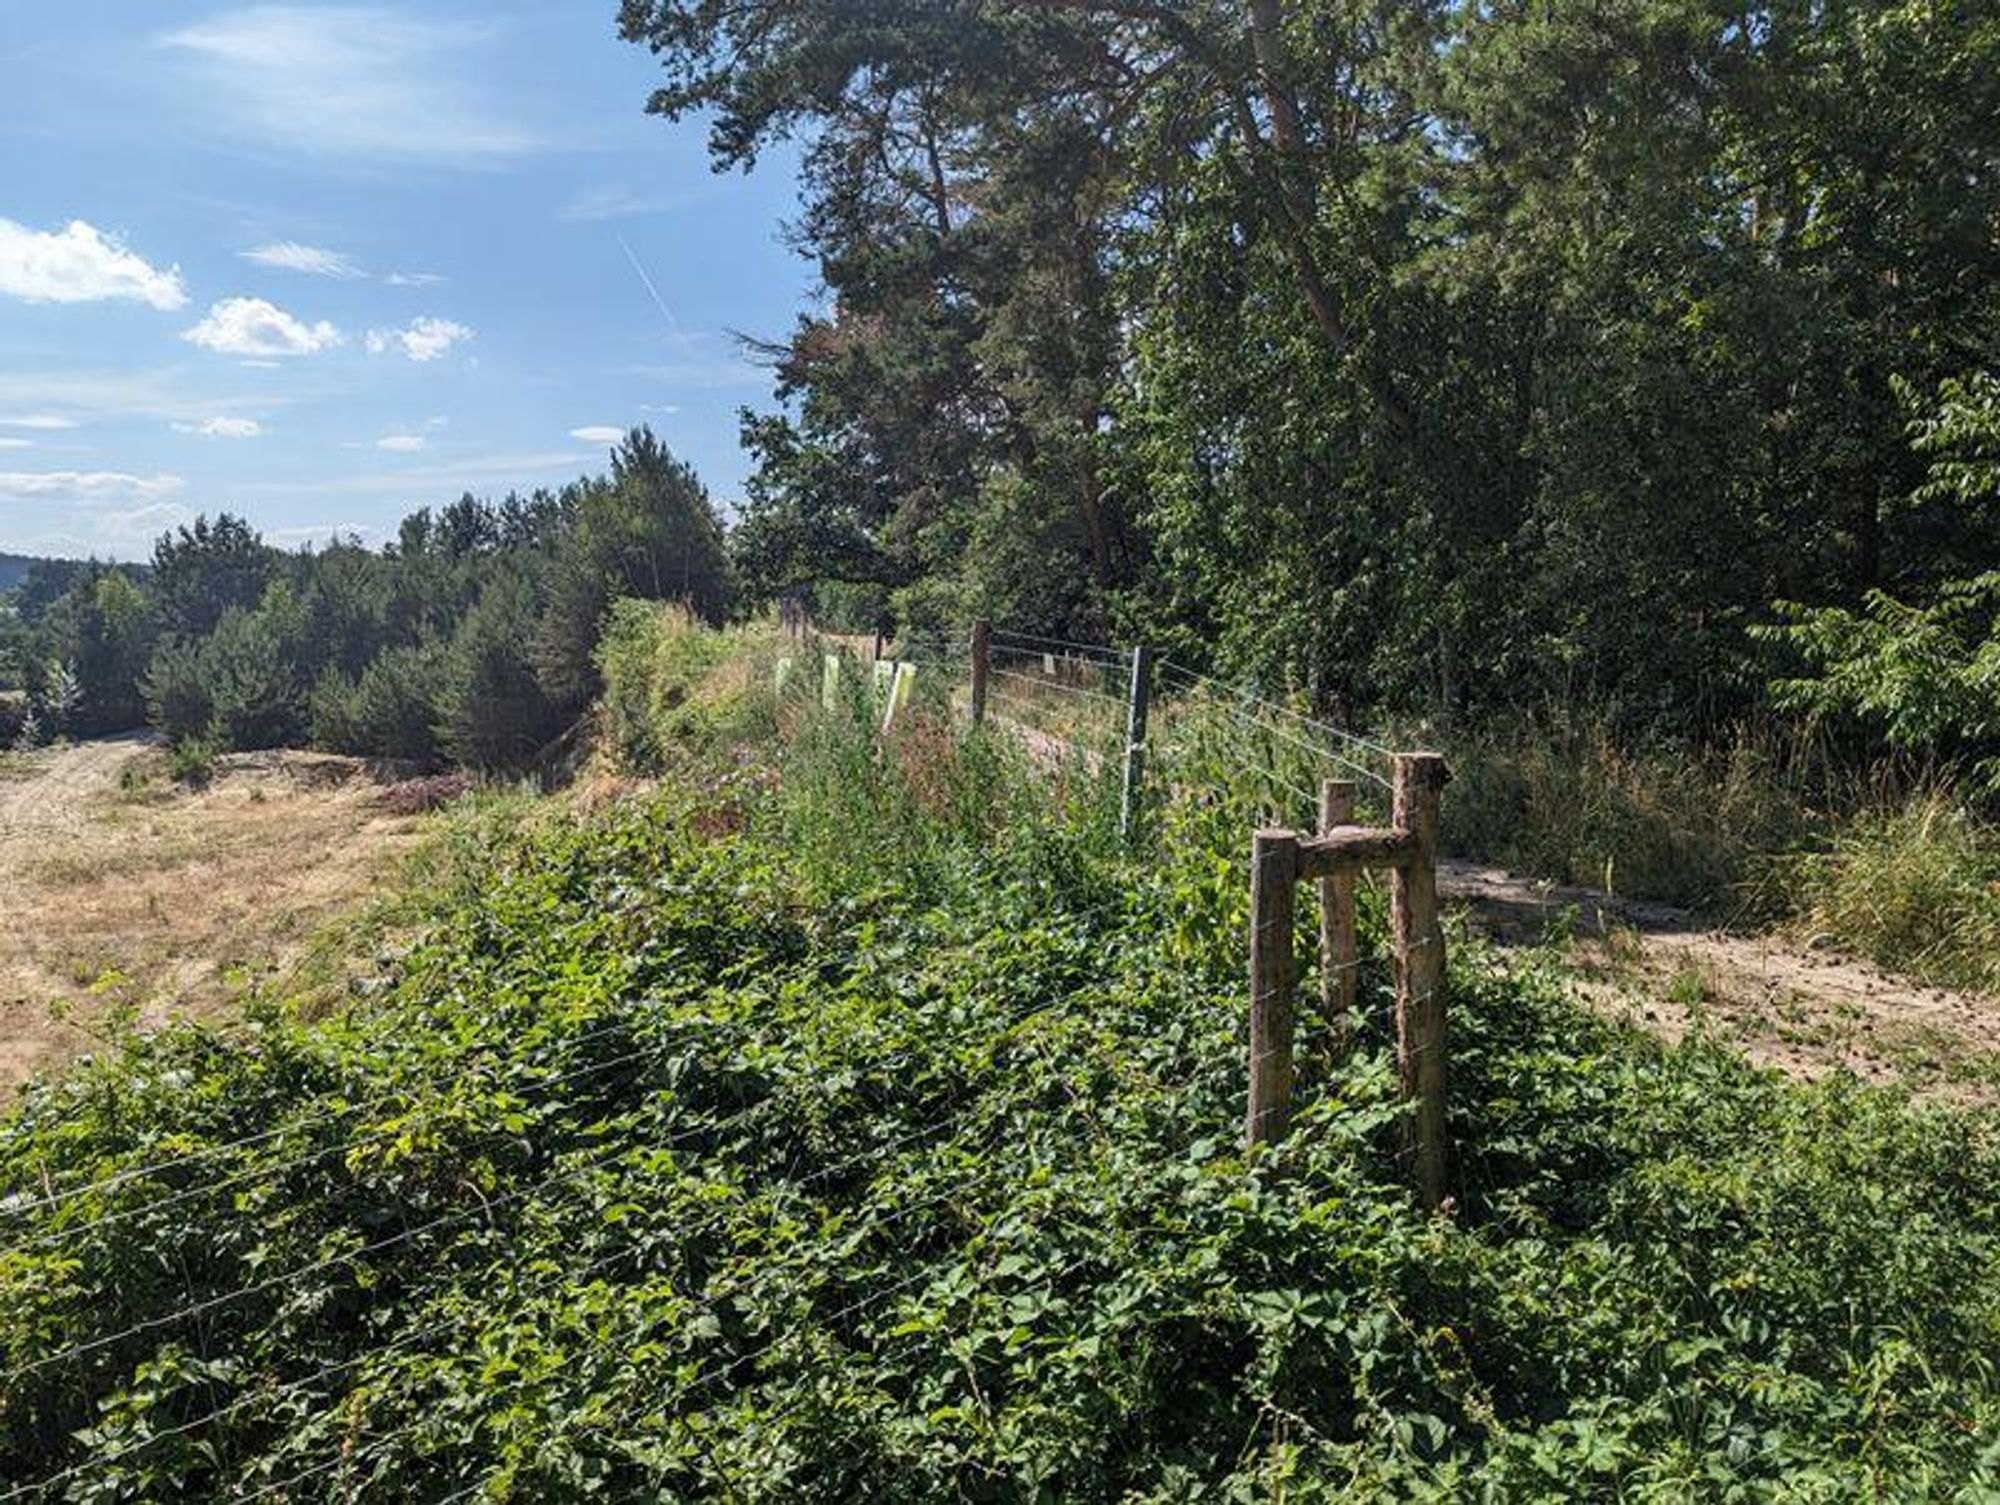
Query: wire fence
951	1046
1077	698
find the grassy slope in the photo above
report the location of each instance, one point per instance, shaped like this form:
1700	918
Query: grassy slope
864	1126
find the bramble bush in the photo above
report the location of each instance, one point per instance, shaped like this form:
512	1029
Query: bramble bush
858	1123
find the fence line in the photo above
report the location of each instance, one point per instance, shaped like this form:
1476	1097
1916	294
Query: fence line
1280	859
1198	680
1105	649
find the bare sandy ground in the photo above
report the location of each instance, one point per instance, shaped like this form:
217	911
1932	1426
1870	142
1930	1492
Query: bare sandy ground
121	890
1805	1012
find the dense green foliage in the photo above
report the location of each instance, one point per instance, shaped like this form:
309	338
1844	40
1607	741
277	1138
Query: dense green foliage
861	1121
1419	357
670	685
1926	672
472	636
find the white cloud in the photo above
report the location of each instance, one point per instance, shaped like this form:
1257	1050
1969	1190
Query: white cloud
511	468
47	422
598	434
668	408
422	339
222	428
314	261
252	327
414	279
356	82
143	523
85	486
168	394
403	444
17	444
81	264
98	512
617	203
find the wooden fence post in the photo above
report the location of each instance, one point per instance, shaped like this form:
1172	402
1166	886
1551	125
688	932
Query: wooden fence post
982	658
1137	704
1336	923
1274	867
1417	940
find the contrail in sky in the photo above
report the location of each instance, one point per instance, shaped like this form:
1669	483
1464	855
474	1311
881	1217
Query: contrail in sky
658	302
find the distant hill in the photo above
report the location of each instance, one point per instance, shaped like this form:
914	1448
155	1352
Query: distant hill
12	568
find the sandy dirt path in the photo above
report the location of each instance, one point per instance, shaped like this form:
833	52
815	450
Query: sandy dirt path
122	890
1806	1012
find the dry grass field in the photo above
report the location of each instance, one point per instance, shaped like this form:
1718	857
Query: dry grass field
125	894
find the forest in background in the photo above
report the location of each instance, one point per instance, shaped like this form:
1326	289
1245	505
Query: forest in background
1605	395
472	637
1417	359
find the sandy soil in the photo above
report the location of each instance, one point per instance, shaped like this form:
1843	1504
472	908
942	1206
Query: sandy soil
120	889
1806	1012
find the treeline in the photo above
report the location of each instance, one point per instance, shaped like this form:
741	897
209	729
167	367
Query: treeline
470	638
1417	357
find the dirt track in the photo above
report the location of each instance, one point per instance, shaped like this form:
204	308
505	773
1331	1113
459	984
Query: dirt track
120	889
1805	1012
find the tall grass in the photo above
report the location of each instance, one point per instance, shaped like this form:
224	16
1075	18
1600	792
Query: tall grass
1914	886
1561	798
1759	827
673	685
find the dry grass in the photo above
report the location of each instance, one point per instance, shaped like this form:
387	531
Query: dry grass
1562	799
1913	886
129	893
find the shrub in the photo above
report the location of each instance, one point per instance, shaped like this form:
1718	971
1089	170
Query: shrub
671	683
14	713
644	1180
251	682
191	760
492	711
179	698
395	708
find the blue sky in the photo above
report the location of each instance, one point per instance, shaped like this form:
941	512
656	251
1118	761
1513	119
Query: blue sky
323	264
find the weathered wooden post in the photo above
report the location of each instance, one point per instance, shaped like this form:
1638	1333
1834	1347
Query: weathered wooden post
1417	941
1336	921
1274	867
1137	704
982	660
